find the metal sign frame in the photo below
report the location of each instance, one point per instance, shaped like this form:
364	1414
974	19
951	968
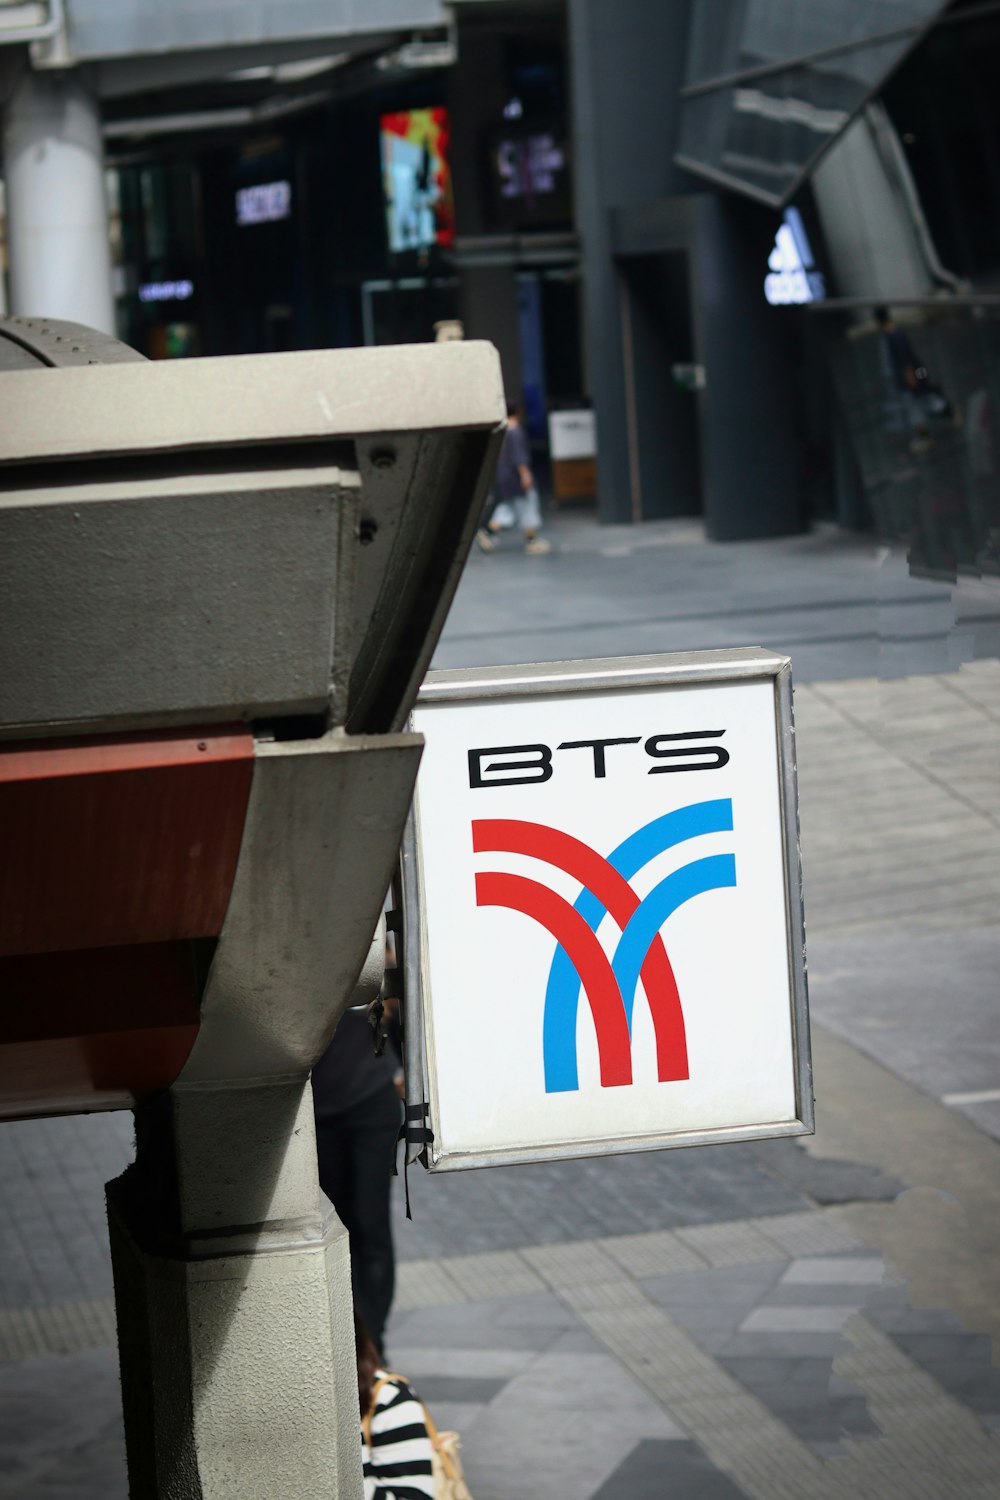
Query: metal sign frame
547	680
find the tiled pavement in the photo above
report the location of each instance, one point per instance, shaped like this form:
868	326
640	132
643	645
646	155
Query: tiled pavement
780	1320
782	1353
767	1358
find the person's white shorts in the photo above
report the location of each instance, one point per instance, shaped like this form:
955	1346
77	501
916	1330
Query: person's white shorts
524	511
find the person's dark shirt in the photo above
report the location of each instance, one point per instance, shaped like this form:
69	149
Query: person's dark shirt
514	453
901	355
349	1071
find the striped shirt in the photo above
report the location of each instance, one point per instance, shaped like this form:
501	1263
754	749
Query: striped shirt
398	1464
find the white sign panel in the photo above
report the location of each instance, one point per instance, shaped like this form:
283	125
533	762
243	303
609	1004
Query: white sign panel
572	434
611	909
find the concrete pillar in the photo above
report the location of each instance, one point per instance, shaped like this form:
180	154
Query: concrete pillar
868	225
57	219
487	302
233	1295
628	60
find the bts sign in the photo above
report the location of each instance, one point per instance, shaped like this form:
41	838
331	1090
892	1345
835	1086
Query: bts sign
610	908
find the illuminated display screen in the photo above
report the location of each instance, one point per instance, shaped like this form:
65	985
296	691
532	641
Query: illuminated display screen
264	203
530	175
166	291
530	167
791	275
416	176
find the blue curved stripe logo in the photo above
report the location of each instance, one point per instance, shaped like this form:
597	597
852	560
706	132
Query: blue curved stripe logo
714	872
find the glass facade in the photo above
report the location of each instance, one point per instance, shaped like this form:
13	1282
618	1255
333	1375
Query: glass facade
945	105
161	249
921	403
772	83
749	34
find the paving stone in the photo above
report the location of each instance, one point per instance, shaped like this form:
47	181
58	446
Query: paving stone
531	1323
424	1283
495	1274
453	1416
825	1179
475	1389
705	1319
930	1349
560	1202
802	1294
796	1319
899	1319
739	1287
539	1310
420	1362
804	1234
56	1328
734	1429
815	1421
729	1244
580	1415
763	1373
787	1345
576	1341
94	1470
581	1386
653	1464
567	1458
572	1265
619	1299
905	1401
841	1270
962	1366
656	1254
47	1414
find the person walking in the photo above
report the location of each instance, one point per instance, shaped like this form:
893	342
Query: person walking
515	492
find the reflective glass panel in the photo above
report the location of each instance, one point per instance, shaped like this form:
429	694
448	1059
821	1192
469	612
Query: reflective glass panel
763	133
727	36
921	405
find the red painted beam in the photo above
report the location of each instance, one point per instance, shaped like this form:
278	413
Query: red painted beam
130	840
114	856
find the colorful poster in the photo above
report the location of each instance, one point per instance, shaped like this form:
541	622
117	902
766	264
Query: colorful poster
416	177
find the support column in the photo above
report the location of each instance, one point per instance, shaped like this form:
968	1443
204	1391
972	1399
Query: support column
57	218
233	1295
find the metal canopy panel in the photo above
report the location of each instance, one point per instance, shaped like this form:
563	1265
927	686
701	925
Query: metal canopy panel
252	400
123	28
184	599
634	936
772	84
201	526
38	343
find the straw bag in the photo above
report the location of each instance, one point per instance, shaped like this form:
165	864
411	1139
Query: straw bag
446	1461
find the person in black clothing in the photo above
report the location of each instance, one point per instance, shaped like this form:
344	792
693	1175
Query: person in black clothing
921	396
900	354
356	1098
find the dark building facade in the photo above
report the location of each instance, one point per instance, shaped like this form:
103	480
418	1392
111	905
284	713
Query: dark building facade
322	255
683	215
755	180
